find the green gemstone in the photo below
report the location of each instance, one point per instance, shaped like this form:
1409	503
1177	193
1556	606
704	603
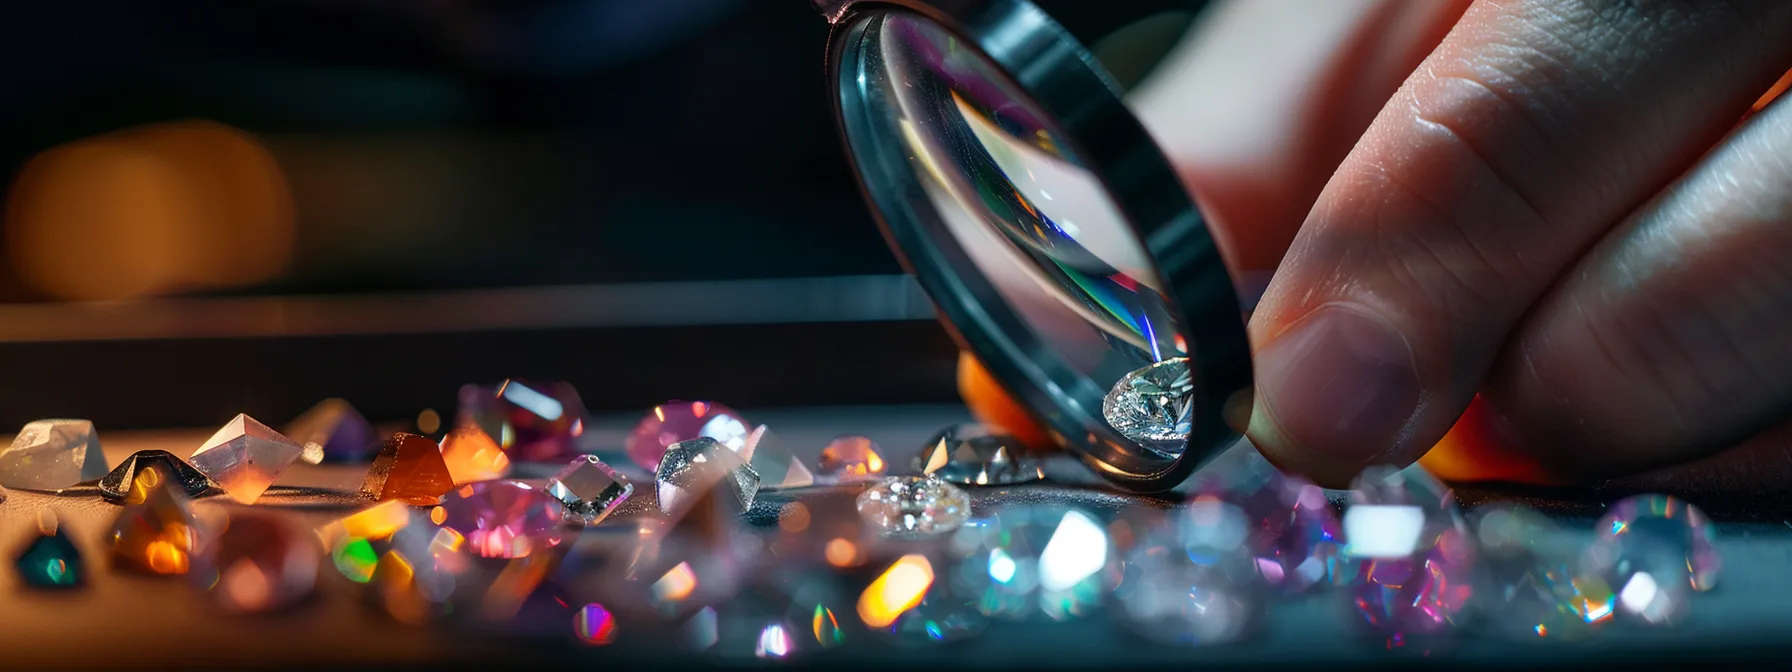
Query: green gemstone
51	561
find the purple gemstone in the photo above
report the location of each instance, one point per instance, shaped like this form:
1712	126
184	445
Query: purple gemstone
1418	560
532	422
1295	539
502	519
676	421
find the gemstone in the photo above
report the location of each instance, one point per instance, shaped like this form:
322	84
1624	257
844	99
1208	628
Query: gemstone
50	560
1153	405
777	468
974	454
850	459
1667	521
692	468
245	457
409	468
913	506
676	421
1418	559
333	431
119	484
910	605
822	529
258	563
532	422
51	454
1169	596
589	489
1530	584
502	519
1053	560
158	534
472	456
1295	540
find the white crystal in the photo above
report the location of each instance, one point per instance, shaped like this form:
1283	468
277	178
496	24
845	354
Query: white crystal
50	454
777	468
910	506
589	488
245	457
973	454
691	468
1153	405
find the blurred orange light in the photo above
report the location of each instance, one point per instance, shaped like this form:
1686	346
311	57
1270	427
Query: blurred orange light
898	590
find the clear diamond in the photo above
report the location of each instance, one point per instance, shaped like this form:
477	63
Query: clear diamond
532	422
1418	559
776	466
51	454
850	459
245	457
589	489
119	484
691	468
1295	539
258	563
1153	405
1174	596
1531	585
676	421
1053	560
333	431
1655	552
502	519
905	506
974	454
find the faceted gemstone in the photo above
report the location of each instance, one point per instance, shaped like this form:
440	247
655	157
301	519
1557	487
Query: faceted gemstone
1053	560
502	519
1668	521
914	506
676	421
409	468
1153	405
822	529
692	468
1172	596
1295	539
51	454
333	431
120	485
245	457
533	422
159	534
51	560
1418	559
589	489
974	454
1530	584
910	605
850	459
777	468
473	456
258	563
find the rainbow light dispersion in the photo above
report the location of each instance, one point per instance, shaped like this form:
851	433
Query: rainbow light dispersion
1418	558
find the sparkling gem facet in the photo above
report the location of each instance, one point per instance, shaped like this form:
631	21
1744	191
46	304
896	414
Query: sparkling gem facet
1169	595
1418	559
333	431
589	489
776	467
502	519
1669	521
50	560
245	457
533	422
1153	405
973	454
118	484
258	563
159	534
408	468
1052	560
692	468
1295	539
472	456
850	459
1531	585
51	454
905	506
676	421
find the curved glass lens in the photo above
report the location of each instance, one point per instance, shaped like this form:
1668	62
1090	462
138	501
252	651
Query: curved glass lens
1037	225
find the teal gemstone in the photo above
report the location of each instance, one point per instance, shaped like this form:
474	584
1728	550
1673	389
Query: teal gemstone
51	561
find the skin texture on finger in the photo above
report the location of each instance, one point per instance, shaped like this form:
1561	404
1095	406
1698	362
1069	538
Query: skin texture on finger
1672	339
1534	127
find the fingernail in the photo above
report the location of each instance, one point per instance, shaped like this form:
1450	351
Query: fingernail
1340	381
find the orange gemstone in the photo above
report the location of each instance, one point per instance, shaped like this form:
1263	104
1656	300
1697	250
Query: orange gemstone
473	456
409	468
160	534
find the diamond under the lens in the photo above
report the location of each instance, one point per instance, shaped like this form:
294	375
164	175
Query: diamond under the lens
1172	596
1667	521
472	456
914	506
1418	558
160	534
245	457
502	519
777	468
1056	561
258	563
1153	405
51	454
408	468
850	459
532	422
118	484
1530	584
676	421
51	561
1295	541
691	468
974	454
589	489
333	431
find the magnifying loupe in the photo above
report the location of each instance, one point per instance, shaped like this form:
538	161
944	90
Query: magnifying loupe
1062	250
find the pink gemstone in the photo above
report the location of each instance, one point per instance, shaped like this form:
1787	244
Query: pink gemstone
532	422
502	519
1295	540
676	421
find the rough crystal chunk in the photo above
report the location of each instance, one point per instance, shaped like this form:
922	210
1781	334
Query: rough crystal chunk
850	459
1153	405
1295	541
245	457
409	468
692	468
974	454
911	605
1174	591
333	431
258	563
1655	552
532	422
160	534
1039	559
589	489
502	519
1418	559
1531	584
472	456
777	468
676	421
914	506
50	560
51	454
118	485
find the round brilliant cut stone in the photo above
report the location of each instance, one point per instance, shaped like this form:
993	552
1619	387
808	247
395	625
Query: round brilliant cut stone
1295	540
1153	405
1530	583
1418	558
676	421
914	506
502	519
1655	552
974	454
